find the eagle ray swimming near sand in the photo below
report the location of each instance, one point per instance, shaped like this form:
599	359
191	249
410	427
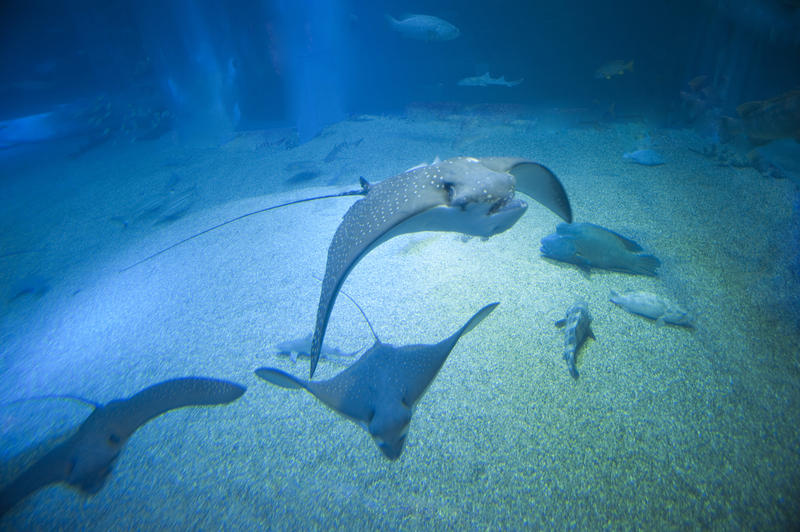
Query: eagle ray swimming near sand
84	460
463	194
380	390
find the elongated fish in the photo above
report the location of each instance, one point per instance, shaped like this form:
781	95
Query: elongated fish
486	80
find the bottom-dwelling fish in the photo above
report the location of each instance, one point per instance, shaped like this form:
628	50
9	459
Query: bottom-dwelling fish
591	246
652	306
577	327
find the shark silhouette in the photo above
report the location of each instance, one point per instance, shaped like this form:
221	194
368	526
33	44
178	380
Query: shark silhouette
380	390
463	194
85	460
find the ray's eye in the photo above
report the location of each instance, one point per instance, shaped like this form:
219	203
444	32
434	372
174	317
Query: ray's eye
113	439
450	188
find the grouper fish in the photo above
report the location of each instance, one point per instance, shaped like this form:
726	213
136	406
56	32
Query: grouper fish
591	246
424	28
652	306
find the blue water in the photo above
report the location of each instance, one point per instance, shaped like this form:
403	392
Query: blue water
127	127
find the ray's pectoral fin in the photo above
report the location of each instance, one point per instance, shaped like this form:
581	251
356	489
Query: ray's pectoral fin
536	181
541	184
85	460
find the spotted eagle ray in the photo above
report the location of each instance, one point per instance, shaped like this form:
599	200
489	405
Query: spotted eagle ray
85	460
381	389
463	194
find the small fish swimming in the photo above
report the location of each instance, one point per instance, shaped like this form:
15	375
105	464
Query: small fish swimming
577	327
301	347
486	79
424	28
652	306
613	68
645	157
591	246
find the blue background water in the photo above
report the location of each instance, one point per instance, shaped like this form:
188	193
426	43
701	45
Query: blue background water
126	126
310	63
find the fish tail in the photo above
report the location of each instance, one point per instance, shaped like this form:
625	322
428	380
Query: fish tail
629	66
647	265
569	356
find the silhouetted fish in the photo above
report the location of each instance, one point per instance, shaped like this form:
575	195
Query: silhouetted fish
424	28
613	68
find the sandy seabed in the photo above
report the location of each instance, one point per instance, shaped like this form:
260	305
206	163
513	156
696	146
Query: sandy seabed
666	428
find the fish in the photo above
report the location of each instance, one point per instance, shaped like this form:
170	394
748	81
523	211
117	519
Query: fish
644	157
486	79
652	306
463	194
84	461
591	246
772	119
613	68
301	177
424	28
577	327
344	145
380	390
301	347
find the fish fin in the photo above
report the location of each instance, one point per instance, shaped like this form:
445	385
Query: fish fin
591	334
280	378
542	185
629	244
560	323
647	265
629	66
612	295
573	371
